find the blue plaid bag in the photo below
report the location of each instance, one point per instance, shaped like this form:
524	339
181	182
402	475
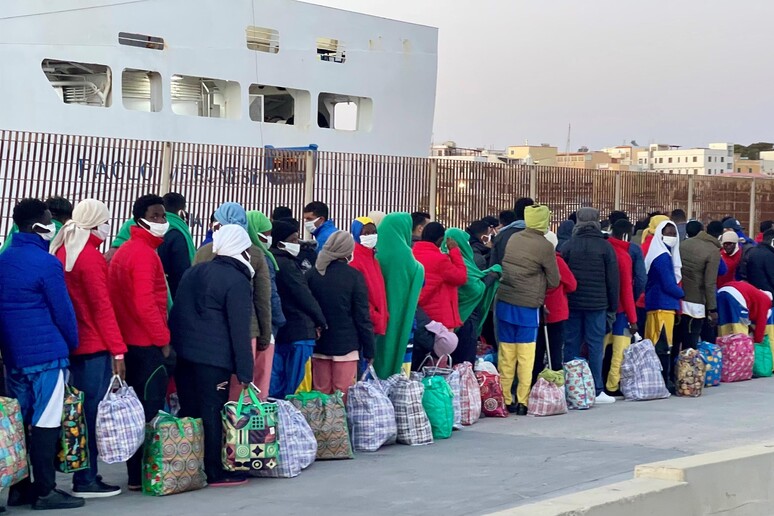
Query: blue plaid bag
370	414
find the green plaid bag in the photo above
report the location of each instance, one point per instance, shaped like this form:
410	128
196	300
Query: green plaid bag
73	443
173	457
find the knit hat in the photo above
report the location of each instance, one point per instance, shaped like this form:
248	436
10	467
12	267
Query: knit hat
282	229
445	340
357	227
551	237
339	245
537	217
729	237
231	213
377	216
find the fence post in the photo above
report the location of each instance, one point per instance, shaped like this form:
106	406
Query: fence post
617	202
532	182
691	186
433	195
752	208
309	170
166	168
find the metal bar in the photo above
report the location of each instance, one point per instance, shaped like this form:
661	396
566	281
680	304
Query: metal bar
433	195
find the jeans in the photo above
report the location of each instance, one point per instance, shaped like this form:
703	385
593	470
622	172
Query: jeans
587	326
90	374
197	387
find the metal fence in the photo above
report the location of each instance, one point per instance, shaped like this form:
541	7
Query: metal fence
456	192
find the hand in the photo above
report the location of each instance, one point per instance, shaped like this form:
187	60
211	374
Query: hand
262	346
451	244
713	318
166	350
318	330
633	328
119	367
222	386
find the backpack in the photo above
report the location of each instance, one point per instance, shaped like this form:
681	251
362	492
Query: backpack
641	377
579	385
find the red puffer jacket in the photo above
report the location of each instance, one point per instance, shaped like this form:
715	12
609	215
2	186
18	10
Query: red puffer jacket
556	298
444	274
365	261
138	290
87	284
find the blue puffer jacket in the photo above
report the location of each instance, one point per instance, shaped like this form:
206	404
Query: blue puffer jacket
662	291
37	319
323	233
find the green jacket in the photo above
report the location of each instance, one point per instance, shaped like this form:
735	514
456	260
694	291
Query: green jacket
701	260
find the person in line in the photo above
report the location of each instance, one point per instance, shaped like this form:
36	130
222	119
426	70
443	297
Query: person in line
480	242
61	210
506	217
281	212
680	219
625	324
419	219
403	278
639	276
377	216
592	261
475	297
731	255
663	293
762	228
317	223
342	295
364	260
551	336
208	235
292	366
38	331
259	227
732	224
700	254
501	240
210	328
741	304
261	315
760	263
529	269
178	250
654	219
564	234
138	291
101	351
445	273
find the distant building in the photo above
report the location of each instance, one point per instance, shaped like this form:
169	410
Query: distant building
449	150
591	159
717	159
543	154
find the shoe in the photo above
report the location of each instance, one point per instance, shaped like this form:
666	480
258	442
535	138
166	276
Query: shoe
134	488
57	499
2	509
604	399
20	494
521	410
228	482
614	394
97	489
513	408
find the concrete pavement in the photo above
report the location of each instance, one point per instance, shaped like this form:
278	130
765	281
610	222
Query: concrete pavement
493	465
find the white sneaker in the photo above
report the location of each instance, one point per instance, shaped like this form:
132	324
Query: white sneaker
604	399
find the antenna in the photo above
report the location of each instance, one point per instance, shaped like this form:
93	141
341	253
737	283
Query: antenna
569	132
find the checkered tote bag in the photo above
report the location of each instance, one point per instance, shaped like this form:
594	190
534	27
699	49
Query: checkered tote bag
370	414
470	394
120	424
641	373
410	416
546	399
297	444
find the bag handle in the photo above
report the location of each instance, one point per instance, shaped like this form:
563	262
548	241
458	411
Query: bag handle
121	383
370	371
429	356
252	391
303	397
166	417
548	346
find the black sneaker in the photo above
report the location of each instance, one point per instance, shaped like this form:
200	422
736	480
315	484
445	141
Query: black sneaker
97	489
57	499
513	408
521	410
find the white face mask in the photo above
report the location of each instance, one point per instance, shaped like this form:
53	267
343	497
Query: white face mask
50	230
350	258
246	261
310	225
293	249
156	229
102	231
265	239
670	241
369	241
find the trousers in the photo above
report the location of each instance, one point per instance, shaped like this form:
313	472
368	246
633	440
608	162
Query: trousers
329	376
587	326
516	359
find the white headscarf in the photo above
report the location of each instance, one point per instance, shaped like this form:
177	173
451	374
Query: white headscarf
658	247
74	235
232	240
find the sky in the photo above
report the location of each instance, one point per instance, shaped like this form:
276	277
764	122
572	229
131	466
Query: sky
680	72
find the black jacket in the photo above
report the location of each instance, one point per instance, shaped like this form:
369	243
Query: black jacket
760	267
343	297
480	253
174	258
498	246
424	340
210	318
302	312
592	261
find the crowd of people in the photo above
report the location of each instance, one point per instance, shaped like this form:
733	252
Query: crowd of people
254	303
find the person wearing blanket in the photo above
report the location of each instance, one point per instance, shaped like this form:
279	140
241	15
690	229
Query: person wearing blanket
739	305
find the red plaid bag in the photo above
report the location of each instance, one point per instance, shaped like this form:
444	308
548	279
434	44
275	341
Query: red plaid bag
492	402
546	399
470	394
738	357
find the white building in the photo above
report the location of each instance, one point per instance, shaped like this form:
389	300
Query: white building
717	159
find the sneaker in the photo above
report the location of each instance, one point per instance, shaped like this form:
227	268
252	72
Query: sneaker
521	410
513	408
57	499
228	482
604	399
97	489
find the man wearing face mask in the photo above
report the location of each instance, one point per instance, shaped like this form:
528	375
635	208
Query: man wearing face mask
480	242
138	291
292	367
101	350
38	331
365	234
210	327
317	223
61	210
178	250
731	255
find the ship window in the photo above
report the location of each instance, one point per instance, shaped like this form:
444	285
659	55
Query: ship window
86	84
262	39
344	112
200	96
278	105
141	90
140	40
331	50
